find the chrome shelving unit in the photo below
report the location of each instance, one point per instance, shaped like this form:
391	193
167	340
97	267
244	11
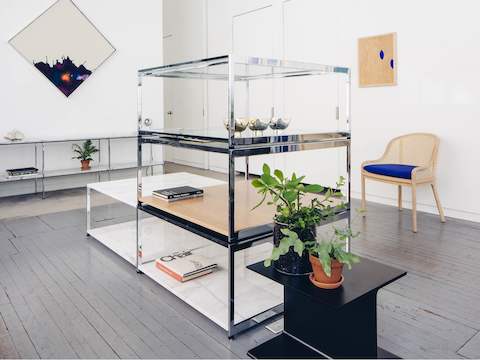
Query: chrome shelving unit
232	70
40	149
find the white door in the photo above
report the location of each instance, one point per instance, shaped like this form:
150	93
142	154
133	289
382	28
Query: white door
184	40
312	102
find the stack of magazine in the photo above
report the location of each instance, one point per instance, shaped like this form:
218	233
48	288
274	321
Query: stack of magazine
177	193
184	265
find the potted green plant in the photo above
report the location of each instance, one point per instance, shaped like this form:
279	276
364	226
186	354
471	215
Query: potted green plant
84	153
294	212
327	256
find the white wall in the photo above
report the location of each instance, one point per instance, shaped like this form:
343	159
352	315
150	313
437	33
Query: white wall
105	104
437	87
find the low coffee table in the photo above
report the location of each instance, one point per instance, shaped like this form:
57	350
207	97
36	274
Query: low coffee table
339	323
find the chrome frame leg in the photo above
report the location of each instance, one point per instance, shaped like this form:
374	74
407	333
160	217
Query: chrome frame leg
231	252
231	197
151	159
88	214
99	160
36	164
43	171
139	251
349	162
231	291
109	160
247	167
349	181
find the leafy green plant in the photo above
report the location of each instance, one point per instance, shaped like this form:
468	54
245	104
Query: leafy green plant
333	248
85	151
290	239
287	195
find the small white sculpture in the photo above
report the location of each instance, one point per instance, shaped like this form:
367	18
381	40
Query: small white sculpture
15	135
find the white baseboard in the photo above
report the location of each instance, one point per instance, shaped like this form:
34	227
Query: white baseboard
431	209
195	164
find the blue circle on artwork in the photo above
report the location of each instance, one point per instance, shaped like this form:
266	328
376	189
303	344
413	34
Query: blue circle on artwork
381	54
392	63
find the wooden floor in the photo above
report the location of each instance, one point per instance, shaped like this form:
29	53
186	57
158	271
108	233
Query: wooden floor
63	295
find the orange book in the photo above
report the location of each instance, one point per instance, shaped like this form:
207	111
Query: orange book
185	268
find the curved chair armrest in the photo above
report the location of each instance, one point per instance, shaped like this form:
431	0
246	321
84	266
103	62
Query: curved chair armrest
422	172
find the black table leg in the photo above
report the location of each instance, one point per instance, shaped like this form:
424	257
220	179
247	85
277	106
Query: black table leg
347	332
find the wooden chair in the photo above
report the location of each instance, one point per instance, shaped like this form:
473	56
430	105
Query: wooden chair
409	160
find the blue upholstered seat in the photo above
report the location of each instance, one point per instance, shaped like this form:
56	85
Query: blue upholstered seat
393	170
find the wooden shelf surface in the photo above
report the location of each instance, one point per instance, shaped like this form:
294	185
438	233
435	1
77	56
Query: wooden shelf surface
211	210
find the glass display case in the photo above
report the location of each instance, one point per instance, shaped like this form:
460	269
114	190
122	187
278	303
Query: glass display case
243	133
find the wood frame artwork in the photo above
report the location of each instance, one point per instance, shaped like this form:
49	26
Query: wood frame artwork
377	60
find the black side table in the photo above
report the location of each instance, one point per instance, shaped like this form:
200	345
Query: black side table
339	323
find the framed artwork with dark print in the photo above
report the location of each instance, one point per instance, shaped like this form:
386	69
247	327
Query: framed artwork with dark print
64	45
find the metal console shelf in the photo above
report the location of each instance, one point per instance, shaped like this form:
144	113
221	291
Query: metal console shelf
40	148
240	228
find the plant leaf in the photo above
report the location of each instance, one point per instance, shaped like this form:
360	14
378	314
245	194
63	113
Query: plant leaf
257	183
266	169
284	245
268	179
298	247
290	196
326	262
278	174
313	188
275	253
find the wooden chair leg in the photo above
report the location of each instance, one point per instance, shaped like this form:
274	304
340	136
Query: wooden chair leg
399	197
364	202
414	208
437	200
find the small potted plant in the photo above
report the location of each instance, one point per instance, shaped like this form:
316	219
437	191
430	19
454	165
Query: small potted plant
294	212
84	153
328	256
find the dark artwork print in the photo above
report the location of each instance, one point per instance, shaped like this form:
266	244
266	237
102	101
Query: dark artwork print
65	75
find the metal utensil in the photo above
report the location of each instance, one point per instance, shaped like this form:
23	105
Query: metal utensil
279	123
240	124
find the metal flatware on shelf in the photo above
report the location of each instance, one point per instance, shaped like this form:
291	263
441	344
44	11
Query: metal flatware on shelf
279	123
257	124
241	124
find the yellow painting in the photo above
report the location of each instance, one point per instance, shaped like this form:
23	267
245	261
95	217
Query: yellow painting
377	60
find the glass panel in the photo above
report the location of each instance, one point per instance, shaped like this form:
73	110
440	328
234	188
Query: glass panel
266	110
247	68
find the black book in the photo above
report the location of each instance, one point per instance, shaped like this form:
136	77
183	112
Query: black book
22	171
180	192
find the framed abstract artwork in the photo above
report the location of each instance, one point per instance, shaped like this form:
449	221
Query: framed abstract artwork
63	45
377	60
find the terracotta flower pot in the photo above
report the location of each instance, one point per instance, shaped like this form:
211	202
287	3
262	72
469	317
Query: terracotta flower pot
321	279
85	164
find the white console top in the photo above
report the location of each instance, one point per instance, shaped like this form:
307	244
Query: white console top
126	190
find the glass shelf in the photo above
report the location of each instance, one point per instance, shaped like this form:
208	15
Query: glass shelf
248	142
246	69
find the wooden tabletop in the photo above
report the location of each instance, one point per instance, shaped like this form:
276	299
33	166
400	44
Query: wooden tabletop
211	210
